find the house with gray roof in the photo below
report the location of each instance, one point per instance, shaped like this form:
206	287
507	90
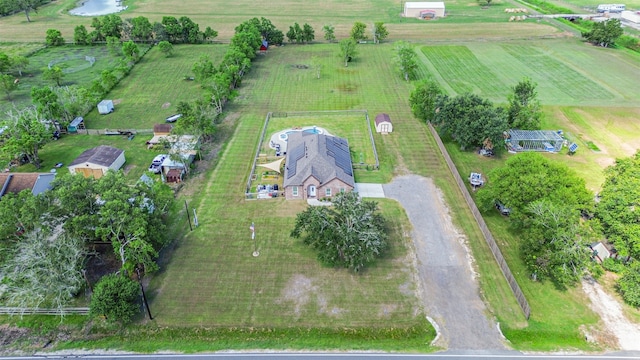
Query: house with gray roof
317	166
97	161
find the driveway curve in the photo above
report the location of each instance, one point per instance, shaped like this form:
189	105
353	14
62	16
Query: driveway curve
451	295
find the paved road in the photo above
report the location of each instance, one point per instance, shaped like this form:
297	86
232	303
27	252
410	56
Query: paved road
450	291
333	356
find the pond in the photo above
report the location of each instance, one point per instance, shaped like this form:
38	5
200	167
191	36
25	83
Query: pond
98	7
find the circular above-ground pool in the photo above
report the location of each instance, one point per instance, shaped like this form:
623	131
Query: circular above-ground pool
280	138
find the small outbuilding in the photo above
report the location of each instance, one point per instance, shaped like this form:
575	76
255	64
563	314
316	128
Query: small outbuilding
75	125
97	161
105	107
162	129
383	124
424	10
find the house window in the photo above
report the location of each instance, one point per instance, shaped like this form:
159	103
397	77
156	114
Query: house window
327	192
294	191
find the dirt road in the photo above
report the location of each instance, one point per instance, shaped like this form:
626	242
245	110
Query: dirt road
450	291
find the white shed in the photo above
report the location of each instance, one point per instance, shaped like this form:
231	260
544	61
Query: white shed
97	161
105	107
383	124
424	10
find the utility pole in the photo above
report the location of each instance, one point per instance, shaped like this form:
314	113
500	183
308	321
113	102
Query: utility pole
144	297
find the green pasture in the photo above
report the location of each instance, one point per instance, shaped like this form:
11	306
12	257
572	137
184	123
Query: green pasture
352	127
567	72
77	70
68	147
154	88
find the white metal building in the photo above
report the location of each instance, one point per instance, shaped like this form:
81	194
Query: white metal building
424	10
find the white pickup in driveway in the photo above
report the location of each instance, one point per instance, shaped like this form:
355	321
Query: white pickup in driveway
367	190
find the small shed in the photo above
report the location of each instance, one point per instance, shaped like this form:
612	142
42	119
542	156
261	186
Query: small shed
105	107
75	125
383	124
424	10
97	161
162	129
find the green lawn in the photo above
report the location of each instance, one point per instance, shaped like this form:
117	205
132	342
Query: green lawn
153	88
65	150
71	58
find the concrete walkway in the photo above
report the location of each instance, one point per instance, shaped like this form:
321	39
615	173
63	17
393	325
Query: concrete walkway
449	287
367	190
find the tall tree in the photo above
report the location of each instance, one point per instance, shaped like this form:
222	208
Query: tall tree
5	63
191	33
141	28
604	33
209	33
529	177
109	79
423	100
116	298
407	60
555	243
19	64
270	33
74	101
166	48
308	34
54	38
8	84
358	31
44	269
350	234
27	132
329	33
524	110
131	50
46	102
80	35
111	26
619	207
203	68
172	28
53	73
380	32
28	6
295	33
470	120
348	50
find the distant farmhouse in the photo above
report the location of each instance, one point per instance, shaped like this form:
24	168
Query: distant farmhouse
611	8
317	166
424	10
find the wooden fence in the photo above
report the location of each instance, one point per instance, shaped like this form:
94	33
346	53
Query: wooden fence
114	132
39	311
497	254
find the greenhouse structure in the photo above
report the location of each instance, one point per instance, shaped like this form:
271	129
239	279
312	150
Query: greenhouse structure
534	140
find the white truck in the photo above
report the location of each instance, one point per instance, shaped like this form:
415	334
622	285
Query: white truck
611	8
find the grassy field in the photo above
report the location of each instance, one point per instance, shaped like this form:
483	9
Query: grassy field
77	70
567	72
488	23
153	88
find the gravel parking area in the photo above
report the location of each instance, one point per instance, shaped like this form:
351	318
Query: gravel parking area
445	268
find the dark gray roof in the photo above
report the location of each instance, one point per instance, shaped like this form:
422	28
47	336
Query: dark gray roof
43	183
101	155
321	156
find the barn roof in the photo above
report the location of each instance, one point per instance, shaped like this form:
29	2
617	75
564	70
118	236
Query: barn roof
321	156
102	155
382	118
16	182
424	5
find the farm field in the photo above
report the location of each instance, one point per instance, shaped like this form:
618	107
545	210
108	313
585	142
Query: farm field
567	72
154	88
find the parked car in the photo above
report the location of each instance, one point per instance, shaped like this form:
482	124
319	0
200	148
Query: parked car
504	210
156	164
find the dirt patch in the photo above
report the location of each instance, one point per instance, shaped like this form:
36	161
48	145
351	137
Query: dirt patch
348	88
299	290
166	105
615	322
116	101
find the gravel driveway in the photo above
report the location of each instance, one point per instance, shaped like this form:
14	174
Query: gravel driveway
450	291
